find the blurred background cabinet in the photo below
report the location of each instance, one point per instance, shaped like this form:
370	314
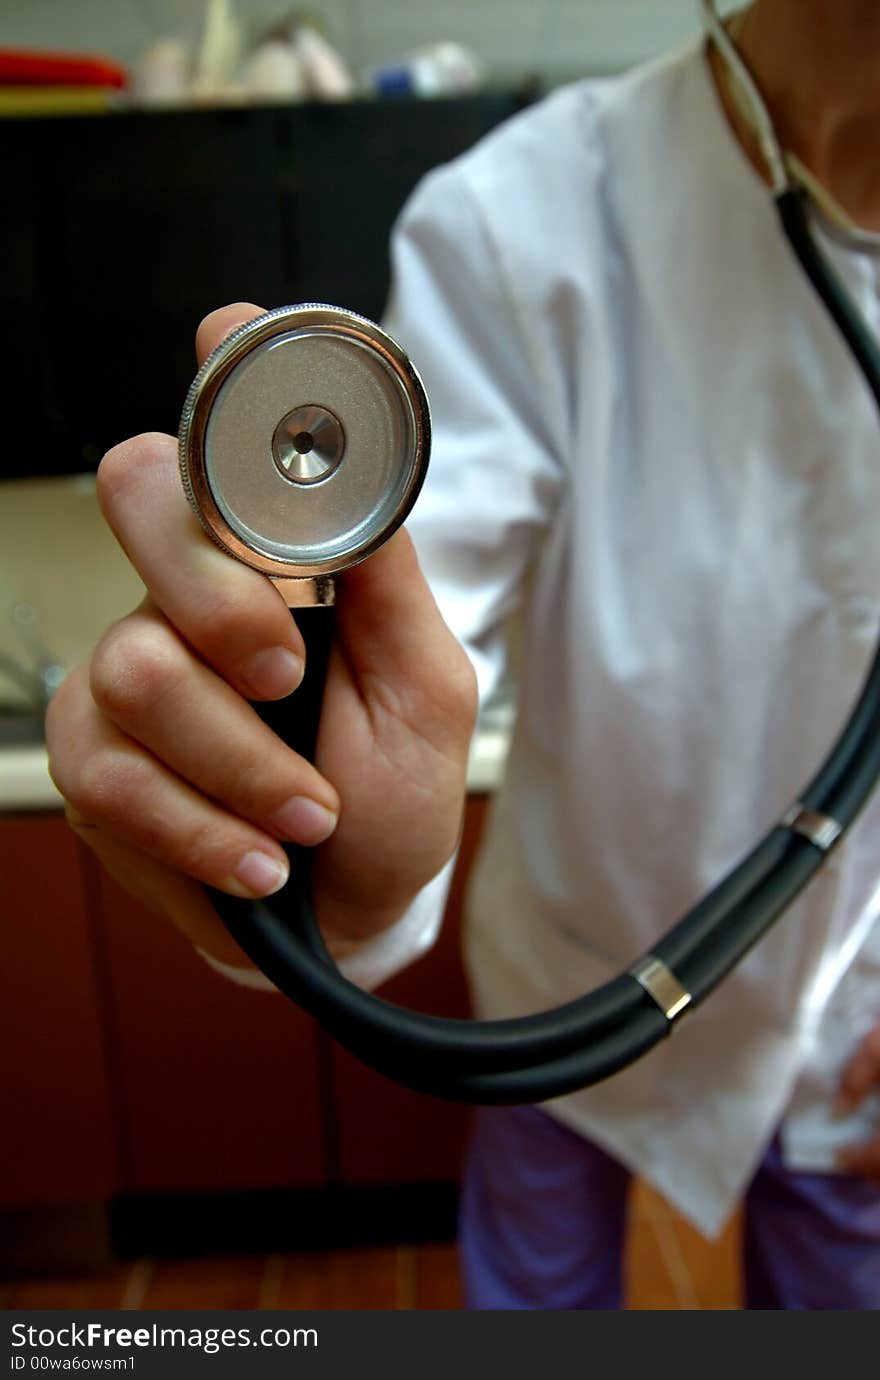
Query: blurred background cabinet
132	1069
118	232
217	1086
59	1141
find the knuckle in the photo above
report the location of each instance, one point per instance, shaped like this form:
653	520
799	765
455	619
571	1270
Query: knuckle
241	781
134	667
202	850
256	780
244	614
109	785
235	606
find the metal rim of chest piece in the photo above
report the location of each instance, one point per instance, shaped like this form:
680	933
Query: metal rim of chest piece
304	441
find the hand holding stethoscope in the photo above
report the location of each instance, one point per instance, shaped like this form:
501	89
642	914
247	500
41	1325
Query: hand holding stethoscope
171	777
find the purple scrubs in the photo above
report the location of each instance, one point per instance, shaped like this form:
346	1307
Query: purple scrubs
543	1215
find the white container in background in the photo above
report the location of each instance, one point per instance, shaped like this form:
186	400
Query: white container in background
439	69
274	71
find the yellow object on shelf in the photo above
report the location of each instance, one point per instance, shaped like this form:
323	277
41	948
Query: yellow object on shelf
57	100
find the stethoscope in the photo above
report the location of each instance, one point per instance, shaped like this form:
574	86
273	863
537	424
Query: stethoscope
303	445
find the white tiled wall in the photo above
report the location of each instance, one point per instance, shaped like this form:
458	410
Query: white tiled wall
550	39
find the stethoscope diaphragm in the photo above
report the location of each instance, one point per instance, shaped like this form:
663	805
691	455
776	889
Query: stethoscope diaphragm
304	441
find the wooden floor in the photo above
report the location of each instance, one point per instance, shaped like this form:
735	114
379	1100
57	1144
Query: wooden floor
670	1267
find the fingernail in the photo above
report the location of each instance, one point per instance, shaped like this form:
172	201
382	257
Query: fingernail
261	875
304	821
273	673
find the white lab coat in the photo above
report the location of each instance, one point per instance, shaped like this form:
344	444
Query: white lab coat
650	440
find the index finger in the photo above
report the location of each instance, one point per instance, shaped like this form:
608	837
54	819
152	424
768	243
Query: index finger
231	615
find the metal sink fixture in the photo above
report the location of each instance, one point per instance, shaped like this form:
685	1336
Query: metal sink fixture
22	720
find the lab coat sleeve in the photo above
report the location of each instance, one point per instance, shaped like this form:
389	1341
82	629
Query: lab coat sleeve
493	481
372	962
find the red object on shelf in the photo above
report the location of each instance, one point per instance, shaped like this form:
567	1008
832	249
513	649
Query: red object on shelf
19	67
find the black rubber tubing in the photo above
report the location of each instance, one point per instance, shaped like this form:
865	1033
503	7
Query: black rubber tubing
532	1058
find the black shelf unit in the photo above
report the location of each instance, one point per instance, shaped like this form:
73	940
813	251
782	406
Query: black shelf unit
120	231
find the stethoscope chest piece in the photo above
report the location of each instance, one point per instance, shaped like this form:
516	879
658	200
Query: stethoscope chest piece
304	441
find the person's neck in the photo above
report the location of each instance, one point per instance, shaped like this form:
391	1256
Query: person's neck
817	64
